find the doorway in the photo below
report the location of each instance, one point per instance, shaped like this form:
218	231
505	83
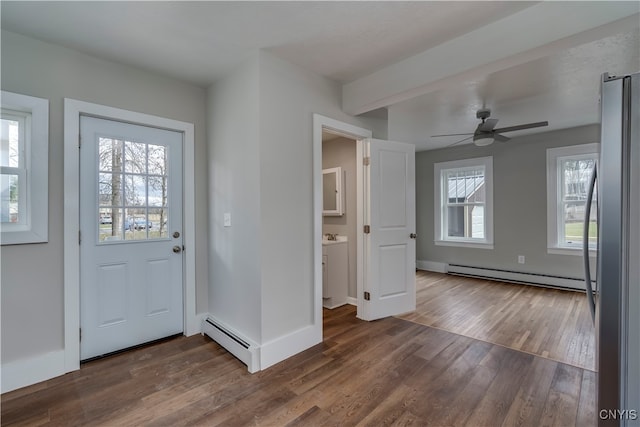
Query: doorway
73	110
339	220
322	124
131	259
385	247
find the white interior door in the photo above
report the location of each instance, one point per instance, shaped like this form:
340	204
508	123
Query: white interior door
389	246
131	289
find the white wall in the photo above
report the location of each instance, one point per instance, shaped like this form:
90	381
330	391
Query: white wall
520	204
32	275
342	152
289	95
234	187
261	169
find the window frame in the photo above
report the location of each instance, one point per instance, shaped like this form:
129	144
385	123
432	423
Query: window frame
554	192
440	205
33	168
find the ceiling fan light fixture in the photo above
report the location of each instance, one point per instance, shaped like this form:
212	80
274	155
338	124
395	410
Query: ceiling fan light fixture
483	140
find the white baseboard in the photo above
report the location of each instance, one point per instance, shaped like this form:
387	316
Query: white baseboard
518	277
352	301
286	346
437	267
24	372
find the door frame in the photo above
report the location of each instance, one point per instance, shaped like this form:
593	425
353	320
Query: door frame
73	109
321	123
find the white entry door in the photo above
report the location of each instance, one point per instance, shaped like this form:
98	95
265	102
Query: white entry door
390	213
131	235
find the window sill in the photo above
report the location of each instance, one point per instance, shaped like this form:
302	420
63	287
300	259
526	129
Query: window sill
464	244
570	251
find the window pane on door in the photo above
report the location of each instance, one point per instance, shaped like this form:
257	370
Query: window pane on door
157	159
110	155
110	224
135	155
110	187
133	190
136	190
158	191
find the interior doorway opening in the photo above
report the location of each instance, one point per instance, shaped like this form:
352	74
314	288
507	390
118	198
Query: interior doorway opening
339	220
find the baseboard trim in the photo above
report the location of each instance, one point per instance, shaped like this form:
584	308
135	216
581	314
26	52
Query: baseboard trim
352	301
518	277
286	346
437	267
24	372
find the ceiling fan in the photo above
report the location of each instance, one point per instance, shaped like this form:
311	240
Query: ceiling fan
486	133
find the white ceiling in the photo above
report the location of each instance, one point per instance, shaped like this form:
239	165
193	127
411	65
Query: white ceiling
562	89
199	42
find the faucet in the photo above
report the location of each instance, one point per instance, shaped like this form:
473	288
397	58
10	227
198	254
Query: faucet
331	236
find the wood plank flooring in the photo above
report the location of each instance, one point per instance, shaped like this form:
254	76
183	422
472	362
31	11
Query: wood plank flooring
551	323
387	372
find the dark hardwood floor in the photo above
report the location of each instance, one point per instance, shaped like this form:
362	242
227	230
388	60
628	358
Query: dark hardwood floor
551	323
387	372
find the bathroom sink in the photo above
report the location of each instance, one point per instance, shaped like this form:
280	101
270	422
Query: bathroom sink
339	239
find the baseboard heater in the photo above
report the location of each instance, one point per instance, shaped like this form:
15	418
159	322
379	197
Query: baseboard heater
246	351
536	279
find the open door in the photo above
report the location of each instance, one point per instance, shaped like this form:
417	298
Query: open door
389	285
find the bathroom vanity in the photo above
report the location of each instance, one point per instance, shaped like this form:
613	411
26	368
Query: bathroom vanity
335	271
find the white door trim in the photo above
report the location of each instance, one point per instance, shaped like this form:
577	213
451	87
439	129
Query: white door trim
72	111
350	131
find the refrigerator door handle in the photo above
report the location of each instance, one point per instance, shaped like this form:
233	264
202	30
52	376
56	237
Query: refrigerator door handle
585	246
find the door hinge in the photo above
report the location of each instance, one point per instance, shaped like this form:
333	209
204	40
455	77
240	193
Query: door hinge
367	296
79	237
366	161
367	229
79	140
80	330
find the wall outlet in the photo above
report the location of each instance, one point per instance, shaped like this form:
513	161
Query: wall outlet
520	259
227	219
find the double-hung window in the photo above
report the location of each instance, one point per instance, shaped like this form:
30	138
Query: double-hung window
569	172
24	141
464	203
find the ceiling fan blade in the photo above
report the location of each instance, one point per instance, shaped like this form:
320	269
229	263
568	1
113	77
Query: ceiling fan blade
462	140
521	127
451	134
500	138
488	125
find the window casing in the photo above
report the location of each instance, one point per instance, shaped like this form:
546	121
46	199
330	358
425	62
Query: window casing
569	172
24	141
464	203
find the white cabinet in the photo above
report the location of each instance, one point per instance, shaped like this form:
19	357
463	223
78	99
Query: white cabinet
335	273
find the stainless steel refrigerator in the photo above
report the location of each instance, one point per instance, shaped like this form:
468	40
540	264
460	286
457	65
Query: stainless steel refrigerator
617	295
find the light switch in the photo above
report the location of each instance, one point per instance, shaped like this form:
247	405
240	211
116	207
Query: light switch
227	219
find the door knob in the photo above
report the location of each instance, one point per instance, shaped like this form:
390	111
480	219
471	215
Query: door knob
177	249
413	235
176	234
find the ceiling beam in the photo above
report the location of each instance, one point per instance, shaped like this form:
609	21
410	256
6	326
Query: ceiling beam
540	30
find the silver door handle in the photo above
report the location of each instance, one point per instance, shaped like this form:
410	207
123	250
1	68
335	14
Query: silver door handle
413	235
177	249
